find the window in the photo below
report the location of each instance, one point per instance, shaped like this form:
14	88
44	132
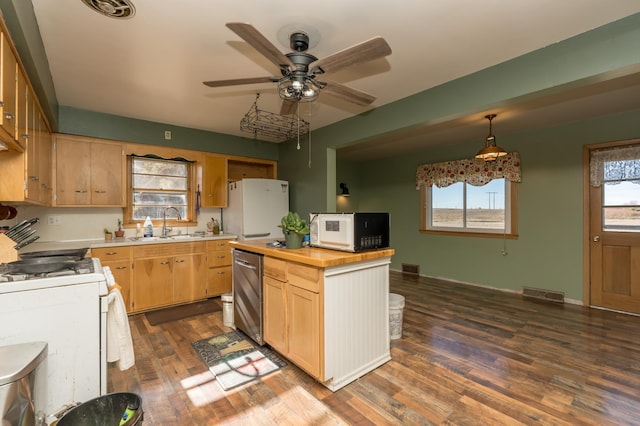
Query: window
461	207
620	182
470	196
157	184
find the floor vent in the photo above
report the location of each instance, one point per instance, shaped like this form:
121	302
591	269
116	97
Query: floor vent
410	269
540	294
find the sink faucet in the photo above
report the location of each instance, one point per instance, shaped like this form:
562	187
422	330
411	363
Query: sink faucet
164	220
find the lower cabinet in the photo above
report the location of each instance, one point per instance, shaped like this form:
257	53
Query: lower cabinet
218	269
118	259
292	313
166	274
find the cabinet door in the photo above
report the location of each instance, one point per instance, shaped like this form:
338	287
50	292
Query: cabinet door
121	271
8	88
44	161
189	273
275	314
107	164
304	329
152	283
73	172
214	182
218	281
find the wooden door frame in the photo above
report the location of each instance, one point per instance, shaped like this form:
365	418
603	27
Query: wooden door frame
586	217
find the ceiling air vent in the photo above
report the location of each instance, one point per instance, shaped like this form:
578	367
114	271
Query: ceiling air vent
120	9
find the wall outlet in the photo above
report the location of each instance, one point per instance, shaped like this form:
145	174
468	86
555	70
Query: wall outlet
53	220
167	134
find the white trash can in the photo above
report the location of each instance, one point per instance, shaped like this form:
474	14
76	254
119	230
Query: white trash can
227	309
396	305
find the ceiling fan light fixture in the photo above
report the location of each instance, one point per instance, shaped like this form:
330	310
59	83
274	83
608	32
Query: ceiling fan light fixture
298	89
491	151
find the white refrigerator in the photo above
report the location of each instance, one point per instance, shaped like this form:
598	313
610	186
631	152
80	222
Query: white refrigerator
256	207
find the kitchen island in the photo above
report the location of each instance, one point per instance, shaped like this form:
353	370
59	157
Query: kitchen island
327	311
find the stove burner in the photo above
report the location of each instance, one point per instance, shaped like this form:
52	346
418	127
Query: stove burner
82	266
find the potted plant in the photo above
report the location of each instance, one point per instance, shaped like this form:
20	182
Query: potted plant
119	233
294	228
108	236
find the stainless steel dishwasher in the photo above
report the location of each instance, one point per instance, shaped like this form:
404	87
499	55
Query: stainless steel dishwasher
247	293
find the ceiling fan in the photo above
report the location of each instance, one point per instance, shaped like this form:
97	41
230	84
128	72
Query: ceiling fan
300	70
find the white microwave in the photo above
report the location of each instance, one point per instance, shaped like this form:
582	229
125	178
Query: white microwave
352	232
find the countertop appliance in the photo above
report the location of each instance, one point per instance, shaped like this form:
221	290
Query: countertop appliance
256	207
67	309
247	293
354	232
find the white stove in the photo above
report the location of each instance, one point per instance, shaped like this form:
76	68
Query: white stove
67	309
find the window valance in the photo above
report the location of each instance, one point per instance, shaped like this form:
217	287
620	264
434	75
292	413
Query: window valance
611	164
473	171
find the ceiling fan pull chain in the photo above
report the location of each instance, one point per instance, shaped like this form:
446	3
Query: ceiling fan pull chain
298	116
309	135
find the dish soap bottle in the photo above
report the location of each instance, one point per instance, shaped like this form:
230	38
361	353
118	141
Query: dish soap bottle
148	227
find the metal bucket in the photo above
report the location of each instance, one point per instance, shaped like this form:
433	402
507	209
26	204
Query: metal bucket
104	411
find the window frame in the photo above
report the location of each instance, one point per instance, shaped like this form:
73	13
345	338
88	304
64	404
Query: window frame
511	202
129	222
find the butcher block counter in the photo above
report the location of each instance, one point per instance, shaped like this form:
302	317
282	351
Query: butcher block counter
326	311
312	256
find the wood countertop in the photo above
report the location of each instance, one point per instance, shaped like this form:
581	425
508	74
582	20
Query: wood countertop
312	256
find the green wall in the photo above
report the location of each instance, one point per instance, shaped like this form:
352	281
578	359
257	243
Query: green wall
549	250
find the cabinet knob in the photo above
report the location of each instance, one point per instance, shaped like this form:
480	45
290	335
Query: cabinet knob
36	178
25	135
221	273
9	116
81	191
99	191
180	261
164	263
111	253
121	267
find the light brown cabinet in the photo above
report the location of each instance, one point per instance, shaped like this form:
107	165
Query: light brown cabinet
218	270
219	170
89	172
166	274
118	259
292	312
8	84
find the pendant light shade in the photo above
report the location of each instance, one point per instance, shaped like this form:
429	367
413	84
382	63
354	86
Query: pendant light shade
491	151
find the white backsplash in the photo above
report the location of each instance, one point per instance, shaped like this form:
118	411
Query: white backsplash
88	223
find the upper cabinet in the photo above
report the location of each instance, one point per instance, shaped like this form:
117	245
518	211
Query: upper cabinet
8	83
219	170
89	172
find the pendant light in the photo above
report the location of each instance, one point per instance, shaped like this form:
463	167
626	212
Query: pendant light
491	151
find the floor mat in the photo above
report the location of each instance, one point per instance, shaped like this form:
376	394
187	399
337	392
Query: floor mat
235	359
183	311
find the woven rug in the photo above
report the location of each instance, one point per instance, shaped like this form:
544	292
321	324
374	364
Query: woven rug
235	359
183	311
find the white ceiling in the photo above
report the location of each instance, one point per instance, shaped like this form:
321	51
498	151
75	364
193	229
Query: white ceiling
151	67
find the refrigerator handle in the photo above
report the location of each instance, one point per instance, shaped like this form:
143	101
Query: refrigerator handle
256	235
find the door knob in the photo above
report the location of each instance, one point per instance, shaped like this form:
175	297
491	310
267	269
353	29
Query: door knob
596	238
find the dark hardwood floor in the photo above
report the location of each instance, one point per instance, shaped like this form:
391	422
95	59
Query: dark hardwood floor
468	356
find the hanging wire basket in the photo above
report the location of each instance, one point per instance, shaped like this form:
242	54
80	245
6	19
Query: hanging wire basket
270	126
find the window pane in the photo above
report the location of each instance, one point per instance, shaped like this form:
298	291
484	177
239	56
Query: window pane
448	206
622	193
486	205
140	212
159	198
159	182
159	167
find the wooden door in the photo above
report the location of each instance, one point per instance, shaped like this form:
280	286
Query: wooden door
8	88
304	329
73	172
152	283
214	182
107	163
275	312
614	248
22	108
44	160
189	275
218	281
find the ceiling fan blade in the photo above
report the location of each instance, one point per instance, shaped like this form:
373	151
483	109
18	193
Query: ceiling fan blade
238	81
288	107
375	48
348	94
259	42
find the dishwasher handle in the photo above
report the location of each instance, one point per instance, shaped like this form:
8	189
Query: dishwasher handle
245	264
